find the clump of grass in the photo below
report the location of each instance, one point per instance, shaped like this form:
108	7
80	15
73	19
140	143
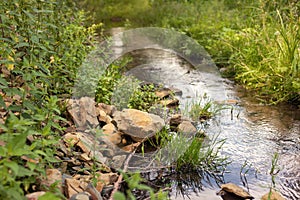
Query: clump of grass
265	55
204	155
203	109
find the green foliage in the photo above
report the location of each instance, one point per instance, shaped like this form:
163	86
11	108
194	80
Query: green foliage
203	155
266	55
124	91
143	97
257	41
42	45
107	83
203	109
22	160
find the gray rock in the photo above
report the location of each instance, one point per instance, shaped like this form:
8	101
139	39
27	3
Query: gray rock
138	124
83	112
118	161
80	196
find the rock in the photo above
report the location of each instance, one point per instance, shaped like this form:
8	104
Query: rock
175	120
117	161
71	139
187	128
170	103
274	196
105	179
176	91
52	176
35	195
230	191
86	143
138	124
95	195
111	133
72	187
80	196
83	112
85	157
163	93
108	109
130	147
103	117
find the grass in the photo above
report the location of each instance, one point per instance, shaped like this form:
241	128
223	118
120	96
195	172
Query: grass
257	41
203	109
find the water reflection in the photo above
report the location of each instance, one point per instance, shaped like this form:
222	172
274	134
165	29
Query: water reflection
253	132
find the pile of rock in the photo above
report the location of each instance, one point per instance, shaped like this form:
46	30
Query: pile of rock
99	141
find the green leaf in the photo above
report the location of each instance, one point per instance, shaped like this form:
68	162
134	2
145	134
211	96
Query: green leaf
22	44
3	82
16	146
2	103
49	196
119	196
12	165
24	172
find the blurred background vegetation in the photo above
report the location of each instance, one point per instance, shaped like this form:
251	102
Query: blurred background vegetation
256	42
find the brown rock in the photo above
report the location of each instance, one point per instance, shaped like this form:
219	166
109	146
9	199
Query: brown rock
118	161
83	112
72	187
131	147
187	128
105	179
163	93
230	191
274	196
52	176
71	139
108	109
35	195
85	157
170	103
103	117
175	120
111	133
86	143
95	195
138	124
80	196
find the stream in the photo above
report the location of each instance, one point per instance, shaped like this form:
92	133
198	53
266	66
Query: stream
253	132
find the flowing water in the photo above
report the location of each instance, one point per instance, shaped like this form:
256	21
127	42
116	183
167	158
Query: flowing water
253	132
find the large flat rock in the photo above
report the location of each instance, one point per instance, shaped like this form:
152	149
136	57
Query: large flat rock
138	124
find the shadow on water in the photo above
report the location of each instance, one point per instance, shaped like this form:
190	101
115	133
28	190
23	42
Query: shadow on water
253	132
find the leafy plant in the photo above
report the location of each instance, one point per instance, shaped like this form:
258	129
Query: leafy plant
42	45
143	97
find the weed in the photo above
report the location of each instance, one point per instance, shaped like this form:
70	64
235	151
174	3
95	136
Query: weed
203	109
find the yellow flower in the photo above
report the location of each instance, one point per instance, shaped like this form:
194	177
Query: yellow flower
10	66
51	59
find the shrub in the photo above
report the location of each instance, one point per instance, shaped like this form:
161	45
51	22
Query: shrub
42	45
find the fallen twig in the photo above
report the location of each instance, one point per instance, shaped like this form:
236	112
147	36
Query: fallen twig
126	163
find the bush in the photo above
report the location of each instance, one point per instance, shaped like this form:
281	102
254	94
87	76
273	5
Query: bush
42	45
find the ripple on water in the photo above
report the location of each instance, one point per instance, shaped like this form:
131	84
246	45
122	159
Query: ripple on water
253	133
